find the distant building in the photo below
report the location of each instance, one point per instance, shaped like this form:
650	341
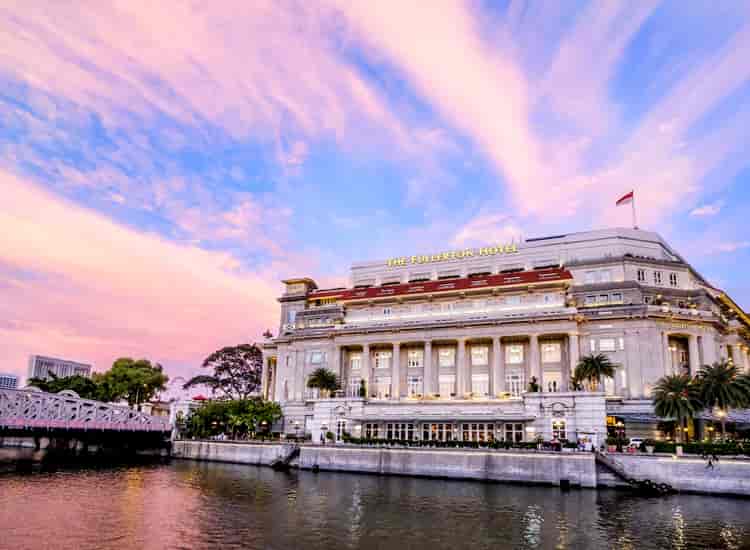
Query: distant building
41	366
8	381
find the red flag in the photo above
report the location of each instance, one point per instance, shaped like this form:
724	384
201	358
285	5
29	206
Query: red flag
625	199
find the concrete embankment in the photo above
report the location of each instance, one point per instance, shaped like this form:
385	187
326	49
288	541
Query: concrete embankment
259	454
729	476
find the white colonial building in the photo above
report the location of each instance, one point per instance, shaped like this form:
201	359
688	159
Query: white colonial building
447	345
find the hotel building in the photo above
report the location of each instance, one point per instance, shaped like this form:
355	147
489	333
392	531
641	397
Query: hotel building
446	345
41	366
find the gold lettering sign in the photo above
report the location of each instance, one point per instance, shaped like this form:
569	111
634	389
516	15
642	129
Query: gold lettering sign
494	250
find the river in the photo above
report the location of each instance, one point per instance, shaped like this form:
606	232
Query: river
202	505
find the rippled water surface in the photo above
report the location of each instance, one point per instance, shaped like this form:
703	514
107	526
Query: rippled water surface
200	505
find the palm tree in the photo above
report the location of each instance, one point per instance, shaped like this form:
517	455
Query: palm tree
323	379
721	386
677	397
593	369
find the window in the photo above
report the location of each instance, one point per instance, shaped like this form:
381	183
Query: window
609	386
414	385
372	431
616	298
590	301
291	315
514	354
673	280
599	276
551	352
591	277
383	359
340	429
382	387
354	385
513	300
480	385
447	357
437	432
514	382
479	356
558	429
603	299
387	311
355	361
316	357
552	382
447	385
403	432
641	275
513	432
478	432
607	344
657	277
414	358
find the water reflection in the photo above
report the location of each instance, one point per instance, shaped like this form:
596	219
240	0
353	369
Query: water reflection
199	505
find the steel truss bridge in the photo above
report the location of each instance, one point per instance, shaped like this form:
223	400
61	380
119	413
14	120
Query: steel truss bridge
34	409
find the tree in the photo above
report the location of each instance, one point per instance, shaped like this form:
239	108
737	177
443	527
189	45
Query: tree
236	372
533	385
135	380
323	379
241	418
722	386
676	397
83	386
593	369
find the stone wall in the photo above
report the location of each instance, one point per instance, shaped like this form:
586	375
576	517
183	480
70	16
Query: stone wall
547	468
219	451
730	476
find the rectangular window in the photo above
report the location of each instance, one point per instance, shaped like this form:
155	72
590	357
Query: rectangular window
382	387
657	277
479	356
551	352
673	280
616	298
478	431
514	382
355	361
513	300
641	274
316	357
552	382
372	431
603	299
605	276
480	385
514	354
592	277
414	386
353	388
558	429
590	301
607	344
414	358
447	385
401	432
513	432
383	359
437	432
447	357
387	311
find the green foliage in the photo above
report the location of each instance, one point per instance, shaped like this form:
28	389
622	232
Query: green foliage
238	418
236	372
362	388
533	385
83	386
677	397
721	385
135	380
592	369
323	379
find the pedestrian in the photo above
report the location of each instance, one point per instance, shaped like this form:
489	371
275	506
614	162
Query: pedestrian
710	464
322	439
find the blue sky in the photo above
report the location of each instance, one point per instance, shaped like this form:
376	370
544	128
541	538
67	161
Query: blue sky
164	167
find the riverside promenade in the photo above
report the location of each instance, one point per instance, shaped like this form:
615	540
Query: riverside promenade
731	476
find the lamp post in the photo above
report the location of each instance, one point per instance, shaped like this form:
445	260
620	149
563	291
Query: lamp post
722	414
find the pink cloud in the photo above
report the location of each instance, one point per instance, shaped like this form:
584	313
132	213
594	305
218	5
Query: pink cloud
77	284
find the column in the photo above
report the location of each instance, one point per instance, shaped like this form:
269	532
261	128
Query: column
461	368
265	378
746	356
736	357
694	358
429	376
534	359
574	355
366	368
396	371
272	382
336	363
498	368
668	367
710	354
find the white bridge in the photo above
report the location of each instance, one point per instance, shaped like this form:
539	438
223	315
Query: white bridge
32	408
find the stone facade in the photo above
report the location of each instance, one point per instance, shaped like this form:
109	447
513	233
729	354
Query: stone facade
451	343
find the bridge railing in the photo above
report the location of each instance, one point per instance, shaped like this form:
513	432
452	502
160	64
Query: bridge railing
29	408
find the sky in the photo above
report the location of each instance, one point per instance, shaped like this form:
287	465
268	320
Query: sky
164	165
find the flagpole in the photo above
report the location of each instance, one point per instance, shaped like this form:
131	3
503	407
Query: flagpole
632	204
